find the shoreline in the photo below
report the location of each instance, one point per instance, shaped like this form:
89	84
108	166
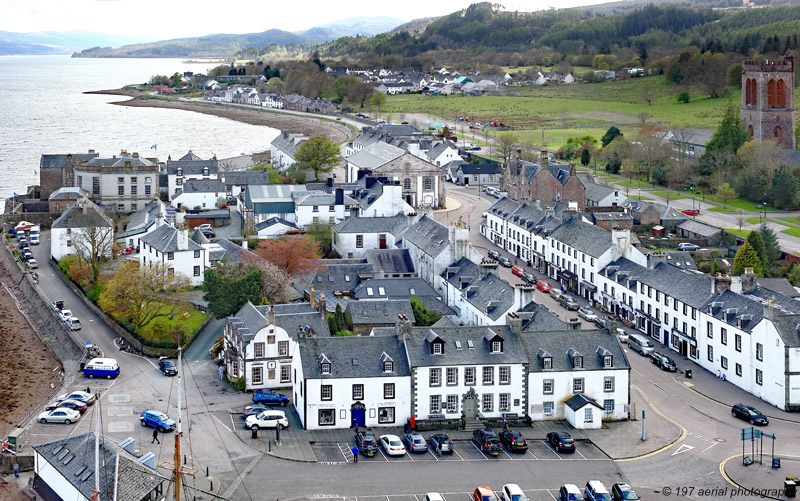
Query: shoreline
308	126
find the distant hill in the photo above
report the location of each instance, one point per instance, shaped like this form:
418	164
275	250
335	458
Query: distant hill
52	42
415	25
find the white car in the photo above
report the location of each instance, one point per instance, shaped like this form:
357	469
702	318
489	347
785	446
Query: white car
60	415
392	445
622	335
202	227
267	419
74	323
512	492
77	395
32	264
587	314
433	496
65	314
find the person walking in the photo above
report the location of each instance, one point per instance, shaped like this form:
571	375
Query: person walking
505	425
16	470
355	454
356	427
155	437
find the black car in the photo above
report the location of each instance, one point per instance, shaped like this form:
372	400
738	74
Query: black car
487	441
505	262
441	442
623	492
70	404
561	441
749	414
514	441
494	255
208	233
663	362
167	367
366	443
528	277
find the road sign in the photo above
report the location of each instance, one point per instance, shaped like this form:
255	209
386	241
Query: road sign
747	433
756	433
642	414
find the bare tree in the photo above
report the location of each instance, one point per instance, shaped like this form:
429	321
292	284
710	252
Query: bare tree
92	245
507	144
274	282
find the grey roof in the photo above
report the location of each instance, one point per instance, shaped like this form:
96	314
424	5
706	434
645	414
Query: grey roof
699	228
681	259
419	352
84	215
536	317
234	252
779	285
788	326
291	317
579	401
399	129
490	295
371	224
596	192
68	193
665	211
272	192
375	155
210	214
433	303
370	136
165	239
428	235
737	310
475	169
440	148
411	163
585	237
559	343
694	289
784	304
192	165
202	186
390	260
122	477
60	160
319	198
393	288
378	312
272	221
189	156
121	161
612	216
245	177
289	143
697	137
352	356
198	238
140	220
337	275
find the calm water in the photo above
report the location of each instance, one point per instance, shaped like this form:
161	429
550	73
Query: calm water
43	110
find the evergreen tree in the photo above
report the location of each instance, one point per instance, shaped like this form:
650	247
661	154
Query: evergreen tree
755	241
228	287
715	268
784	189
610	135
746	257
794	275
770	243
586	157
730	134
422	315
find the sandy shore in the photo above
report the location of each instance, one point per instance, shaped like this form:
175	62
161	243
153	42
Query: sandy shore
308	126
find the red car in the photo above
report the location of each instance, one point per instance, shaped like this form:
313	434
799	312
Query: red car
691	212
517	270
543	286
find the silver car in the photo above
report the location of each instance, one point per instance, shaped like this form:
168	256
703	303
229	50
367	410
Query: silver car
587	314
60	415
415	442
641	345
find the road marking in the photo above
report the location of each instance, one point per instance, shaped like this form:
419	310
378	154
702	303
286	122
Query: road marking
551	495
710	446
223	424
655	409
579	452
683	448
232	488
532	454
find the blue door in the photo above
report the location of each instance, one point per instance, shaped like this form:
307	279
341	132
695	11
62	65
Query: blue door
357	415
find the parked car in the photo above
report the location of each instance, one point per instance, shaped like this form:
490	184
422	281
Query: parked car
623	492
35	240
543	286
75	405
415	442
270	397
505	262
74	323
749	413
483	493
433	496
167	366
65	314
640	344
596	491
622	335
494	255
685	246
32	263
441	442
158	420
26	253
587	314
60	415
556	293
512	492
57	305
513	440
663	362
487	441
366	443
561	441
568	302
517	270
392	445
267	419
202	227
208	233
253	410
691	212
89	398
528	277
23	242
570	492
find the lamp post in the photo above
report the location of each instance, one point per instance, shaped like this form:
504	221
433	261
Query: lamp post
692	197
765	210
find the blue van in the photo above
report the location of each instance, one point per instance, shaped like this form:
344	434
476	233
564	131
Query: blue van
101	367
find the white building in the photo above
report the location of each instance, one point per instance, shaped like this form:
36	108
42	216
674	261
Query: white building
356	235
321	207
371	157
142	222
283	150
199	193
82	229
173	251
262	202
274	227
443	153
189	166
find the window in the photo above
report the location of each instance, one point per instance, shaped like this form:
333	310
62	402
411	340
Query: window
358	392
196	254
170	255
759	352
547	408
359	241
388	391
587	415
488	402
427	183
120	190
710	353
286	372
271	338
452	376
723	335
759	377
608	384
325	368
435	377
547	386
436	404
315	208
497	347
723	362
388	366
547	362
577	385
469	376
407	183
608	361
95	185
452	403
327	417
326	392
608	405
488	375
235	368
710	330
505	375
385	415
283	348
147	189
739	370
503	401
577	363
738	341
120	180
258	375
436	348
134	190
258	350
80	181
179	182
148	179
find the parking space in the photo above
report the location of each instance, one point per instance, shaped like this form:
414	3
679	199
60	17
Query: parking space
532	494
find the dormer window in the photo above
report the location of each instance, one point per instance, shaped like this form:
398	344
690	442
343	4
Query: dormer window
437	349
608	361
325	368
547	362
497	347
388	366
179	172
205	171
577	362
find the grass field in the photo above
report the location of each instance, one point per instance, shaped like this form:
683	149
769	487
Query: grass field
794	231
737	232
158	330
790	220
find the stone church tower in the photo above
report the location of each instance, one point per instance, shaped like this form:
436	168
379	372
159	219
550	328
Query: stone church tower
768	100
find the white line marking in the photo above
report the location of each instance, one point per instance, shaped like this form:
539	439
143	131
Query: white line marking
551	495
223	424
579	452
683	448
710	446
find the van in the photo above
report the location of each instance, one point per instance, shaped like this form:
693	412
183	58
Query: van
641	344
34	239
101	367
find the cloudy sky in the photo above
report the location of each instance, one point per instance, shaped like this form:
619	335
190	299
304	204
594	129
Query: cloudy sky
163	19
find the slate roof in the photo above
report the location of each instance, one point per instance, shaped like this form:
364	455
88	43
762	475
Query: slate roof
189	156
192	165
121	161
375	155
379	312
371	224
399	129
737	310
369	136
579	401
140	220
681	259
788	326
245	177
198	238
665	211
274	220
558	344
428	235
210	214
439	149
419	353
272	192
337	275
291	317
699	228
596	192
165	239
393	288
694	289
309	198
536	317
390	260
68	193
232	252
612	216
85	215
58	161
410	162
202	186
779	285
368	352
585	237
476	169
122	477
289	143
490	295
691	136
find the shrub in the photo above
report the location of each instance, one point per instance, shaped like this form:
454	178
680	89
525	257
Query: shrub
93	294
241	384
704	267
683	97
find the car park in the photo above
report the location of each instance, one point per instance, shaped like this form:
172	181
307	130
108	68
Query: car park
641	345
167	366
60	415
685	246
663	362
517	270
587	314
366	443
487	441
596	491
561	441
441	442
505	262
253	410
270	397
623	492
513	440
392	445
415	442
433	496
512	492
267	419
158	420
543	286
570	492
568	302
75	405
528	277
82	396
483	493
749	413
494	255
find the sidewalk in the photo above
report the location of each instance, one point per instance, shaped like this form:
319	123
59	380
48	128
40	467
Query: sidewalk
761	480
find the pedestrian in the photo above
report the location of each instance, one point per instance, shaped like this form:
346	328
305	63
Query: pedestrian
355	454
221	372
356	427
16	470
407	426
505	424
155	437
88	390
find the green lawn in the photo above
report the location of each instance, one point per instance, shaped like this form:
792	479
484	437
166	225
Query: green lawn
793	231
737	232
158	330
790	220
754	220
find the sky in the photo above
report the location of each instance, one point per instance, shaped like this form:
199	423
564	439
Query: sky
166	19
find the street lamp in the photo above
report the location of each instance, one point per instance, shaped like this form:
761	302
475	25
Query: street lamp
692	197
765	210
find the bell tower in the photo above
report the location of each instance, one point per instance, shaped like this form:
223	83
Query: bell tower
767	108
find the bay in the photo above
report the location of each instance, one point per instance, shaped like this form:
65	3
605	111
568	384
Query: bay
43	110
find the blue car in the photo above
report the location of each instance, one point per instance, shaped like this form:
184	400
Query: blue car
270	397
157	419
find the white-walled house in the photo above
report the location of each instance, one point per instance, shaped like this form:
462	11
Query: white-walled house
274	227
321	207
340	382
173	250
142	222
189	166
120	184
443	153
202	193
354	236
283	150
82	229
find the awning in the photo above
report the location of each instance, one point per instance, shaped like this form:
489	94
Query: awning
684	336
567	274
589	286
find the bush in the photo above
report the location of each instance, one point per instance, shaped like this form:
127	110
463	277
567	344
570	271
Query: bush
683	97
67	263
93	294
704	267
241	384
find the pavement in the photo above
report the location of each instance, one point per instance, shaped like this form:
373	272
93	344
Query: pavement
760	479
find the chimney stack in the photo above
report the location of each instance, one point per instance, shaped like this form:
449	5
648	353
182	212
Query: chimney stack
313	297
183	239
514	321
402	327
748	280
323	305
271	315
